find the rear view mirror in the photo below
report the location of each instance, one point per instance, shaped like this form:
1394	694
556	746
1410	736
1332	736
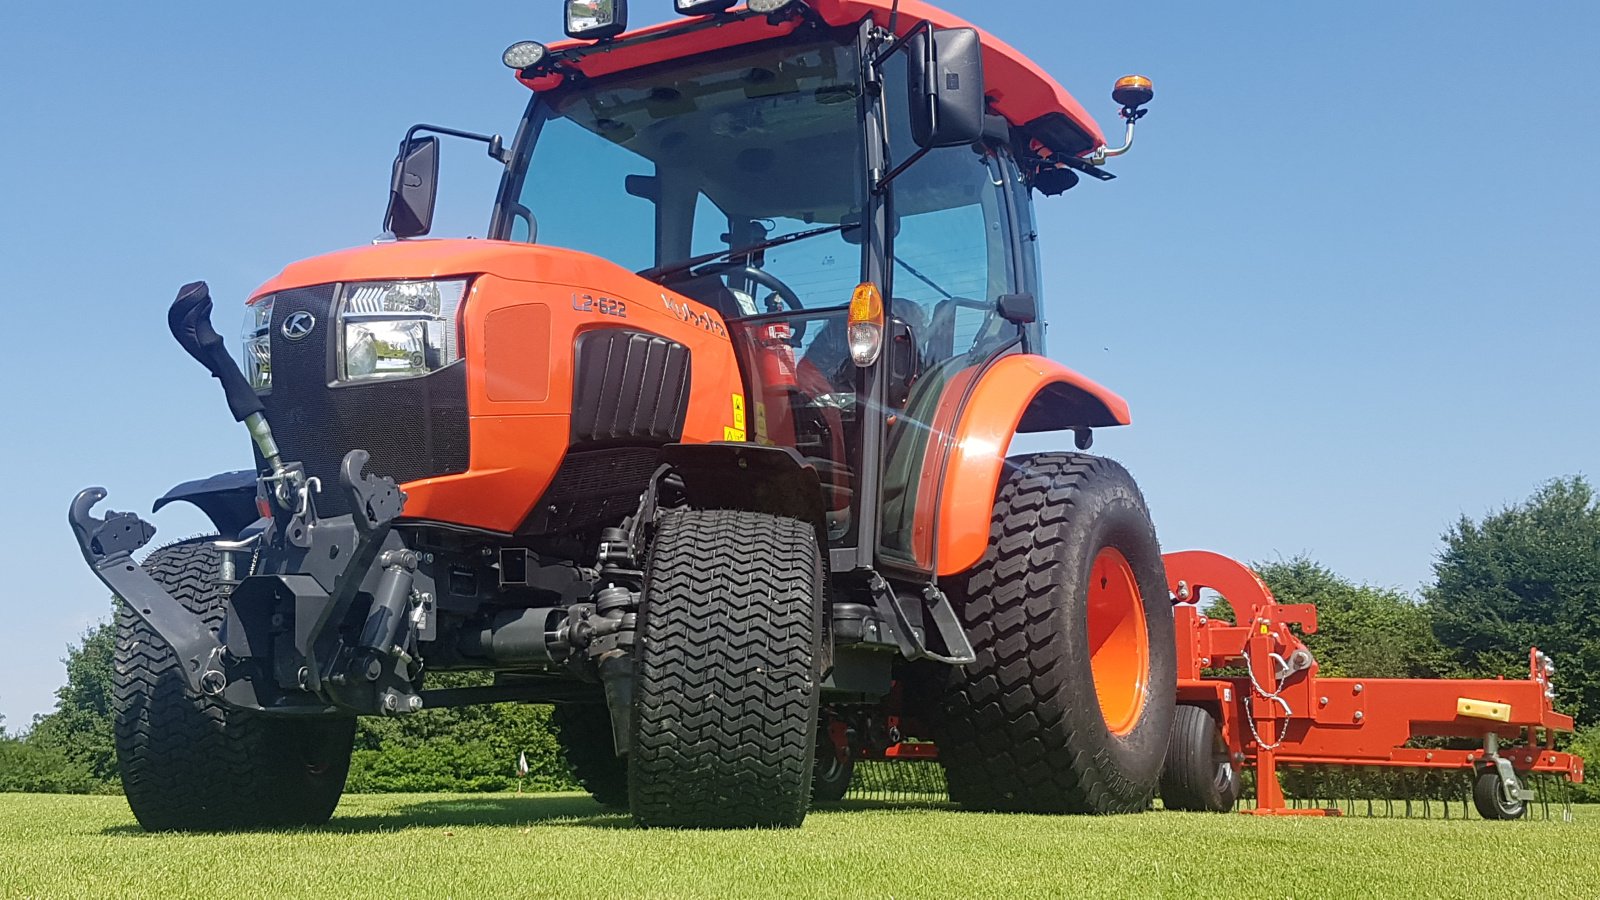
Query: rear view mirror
1019	309
414	189
945	74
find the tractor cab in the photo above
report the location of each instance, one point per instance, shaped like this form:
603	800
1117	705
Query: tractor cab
845	184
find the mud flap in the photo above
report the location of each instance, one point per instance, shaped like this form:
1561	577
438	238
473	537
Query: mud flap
108	545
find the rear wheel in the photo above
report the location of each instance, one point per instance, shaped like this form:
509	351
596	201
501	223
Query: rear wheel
1198	775
1069	706
726	698
584	732
190	764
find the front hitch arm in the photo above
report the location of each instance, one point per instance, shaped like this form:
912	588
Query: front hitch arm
108	545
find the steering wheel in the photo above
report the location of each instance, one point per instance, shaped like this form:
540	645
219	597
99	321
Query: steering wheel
777	286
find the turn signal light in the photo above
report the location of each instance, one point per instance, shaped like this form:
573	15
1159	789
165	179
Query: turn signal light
866	324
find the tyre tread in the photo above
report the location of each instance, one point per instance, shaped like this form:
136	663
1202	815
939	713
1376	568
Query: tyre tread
726	701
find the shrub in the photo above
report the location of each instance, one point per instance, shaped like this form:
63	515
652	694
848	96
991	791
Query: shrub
28	768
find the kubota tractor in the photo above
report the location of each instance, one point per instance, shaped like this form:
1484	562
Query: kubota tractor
705	445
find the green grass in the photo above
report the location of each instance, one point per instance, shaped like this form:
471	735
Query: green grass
427	846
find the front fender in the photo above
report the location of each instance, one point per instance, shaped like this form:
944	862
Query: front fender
228	500
1020	393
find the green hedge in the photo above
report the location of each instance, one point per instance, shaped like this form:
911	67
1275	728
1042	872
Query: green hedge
27	768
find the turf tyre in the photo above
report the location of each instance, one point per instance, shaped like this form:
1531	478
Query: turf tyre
726	695
187	762
1022	729
1487	798
584	732
1198	775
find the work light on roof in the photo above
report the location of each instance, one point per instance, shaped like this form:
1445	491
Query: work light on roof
771	6
702	7
596	20
524	54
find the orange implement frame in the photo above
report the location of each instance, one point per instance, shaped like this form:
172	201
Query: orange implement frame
1284	713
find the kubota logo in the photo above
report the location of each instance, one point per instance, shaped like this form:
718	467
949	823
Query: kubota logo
298	325
686	313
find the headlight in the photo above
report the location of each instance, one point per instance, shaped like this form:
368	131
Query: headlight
258	344
398	329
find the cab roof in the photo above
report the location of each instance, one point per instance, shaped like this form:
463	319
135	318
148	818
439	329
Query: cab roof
1017	88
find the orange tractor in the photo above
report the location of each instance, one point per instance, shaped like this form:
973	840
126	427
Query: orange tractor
705	445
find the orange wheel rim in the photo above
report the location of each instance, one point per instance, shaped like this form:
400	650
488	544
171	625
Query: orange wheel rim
1119	646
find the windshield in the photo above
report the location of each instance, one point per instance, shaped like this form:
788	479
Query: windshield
724	153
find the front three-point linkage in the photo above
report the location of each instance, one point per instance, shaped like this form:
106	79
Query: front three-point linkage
280	647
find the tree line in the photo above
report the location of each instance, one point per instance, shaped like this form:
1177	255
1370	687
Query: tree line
1525	575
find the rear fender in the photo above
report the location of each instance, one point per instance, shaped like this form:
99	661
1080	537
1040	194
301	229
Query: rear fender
1021	393
228	500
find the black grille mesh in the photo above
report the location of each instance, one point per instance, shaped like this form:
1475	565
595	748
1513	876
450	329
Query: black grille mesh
594	487
414	428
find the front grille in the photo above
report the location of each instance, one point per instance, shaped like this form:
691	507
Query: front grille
414	428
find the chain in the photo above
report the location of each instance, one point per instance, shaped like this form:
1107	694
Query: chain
1249	708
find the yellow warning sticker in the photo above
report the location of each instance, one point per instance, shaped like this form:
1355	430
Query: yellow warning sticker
736	435
761	424
738	412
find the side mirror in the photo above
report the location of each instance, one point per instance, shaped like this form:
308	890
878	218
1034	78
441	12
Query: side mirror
413	189
1019	309
945	72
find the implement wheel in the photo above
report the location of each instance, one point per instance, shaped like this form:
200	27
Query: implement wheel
1069	706
190	764
584	732
835	767
1488	795
1198	775
726	698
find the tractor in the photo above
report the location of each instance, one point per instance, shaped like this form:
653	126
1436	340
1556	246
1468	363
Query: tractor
704	445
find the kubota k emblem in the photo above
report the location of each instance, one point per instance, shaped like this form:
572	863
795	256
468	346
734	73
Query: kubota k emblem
298	325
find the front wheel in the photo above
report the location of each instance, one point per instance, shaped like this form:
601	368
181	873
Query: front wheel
726	696
1069	706
191	764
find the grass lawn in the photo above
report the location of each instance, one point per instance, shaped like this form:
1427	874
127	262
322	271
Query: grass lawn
428	846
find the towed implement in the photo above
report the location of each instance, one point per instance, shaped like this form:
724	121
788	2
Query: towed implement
707	436
1258	728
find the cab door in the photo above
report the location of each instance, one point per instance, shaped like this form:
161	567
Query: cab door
957	251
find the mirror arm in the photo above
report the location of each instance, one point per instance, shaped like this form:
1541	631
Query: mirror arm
899	43
496	143
885	181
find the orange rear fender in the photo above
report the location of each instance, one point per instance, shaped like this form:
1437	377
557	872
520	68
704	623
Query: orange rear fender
1020	393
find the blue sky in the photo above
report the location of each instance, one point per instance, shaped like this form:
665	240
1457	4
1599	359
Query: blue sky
1347	280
